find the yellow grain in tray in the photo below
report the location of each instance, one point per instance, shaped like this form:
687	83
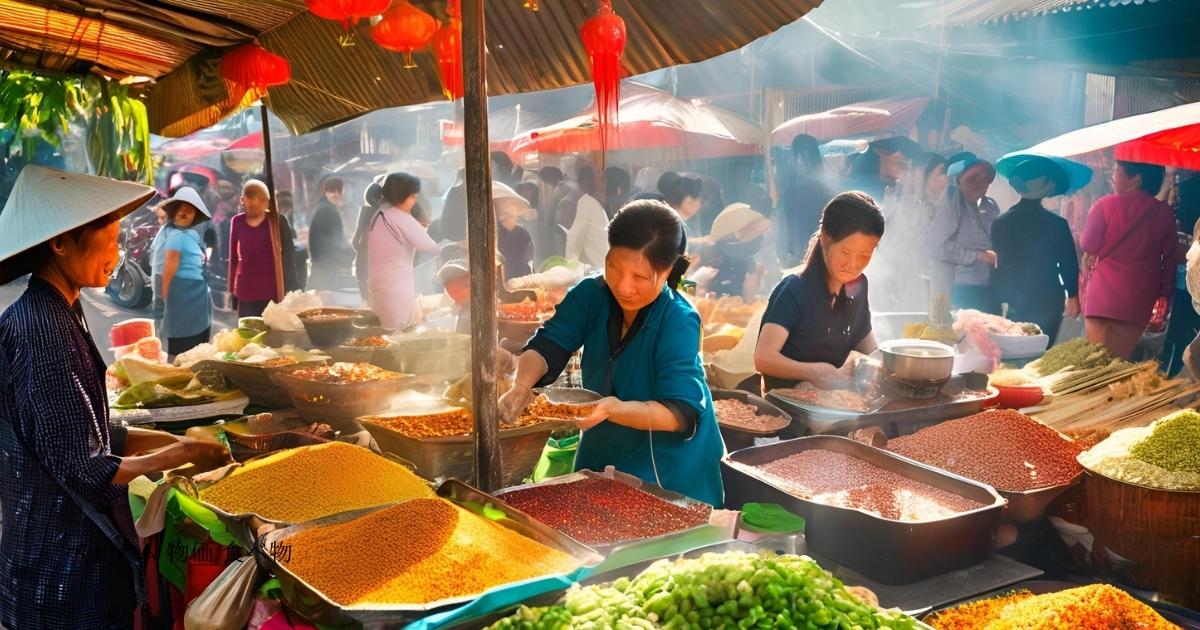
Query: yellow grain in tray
302	484
416	552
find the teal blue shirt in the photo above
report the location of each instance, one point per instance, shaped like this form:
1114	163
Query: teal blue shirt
191	252
660	362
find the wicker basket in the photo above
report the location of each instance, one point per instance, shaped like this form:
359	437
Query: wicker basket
1155	532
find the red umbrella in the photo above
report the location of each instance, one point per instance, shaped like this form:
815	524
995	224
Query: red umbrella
1170	137
650	119
868	118
503	126
246	154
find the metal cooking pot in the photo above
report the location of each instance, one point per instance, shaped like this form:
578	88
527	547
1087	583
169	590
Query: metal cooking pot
917	361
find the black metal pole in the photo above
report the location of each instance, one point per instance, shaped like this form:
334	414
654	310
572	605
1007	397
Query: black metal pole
481	248
269	176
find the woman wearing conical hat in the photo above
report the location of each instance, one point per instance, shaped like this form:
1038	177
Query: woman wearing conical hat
68	554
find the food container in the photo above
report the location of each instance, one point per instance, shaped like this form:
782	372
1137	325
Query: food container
1019	397
432	357
889	551
256	381
629	480
340	401
917	361
1029	506
1021	346
454	457
740	436
329	327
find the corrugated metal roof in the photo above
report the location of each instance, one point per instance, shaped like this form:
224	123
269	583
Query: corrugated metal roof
969	12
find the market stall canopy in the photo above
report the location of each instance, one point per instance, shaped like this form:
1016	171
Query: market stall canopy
179	44
1170	137
503	126
963	12
650	119
867	118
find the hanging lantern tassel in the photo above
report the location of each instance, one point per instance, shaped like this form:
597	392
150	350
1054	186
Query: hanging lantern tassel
447	49
347	12
404	29
604	39
252	66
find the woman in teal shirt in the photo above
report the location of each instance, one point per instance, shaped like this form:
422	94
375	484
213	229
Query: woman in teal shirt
641	350
187	306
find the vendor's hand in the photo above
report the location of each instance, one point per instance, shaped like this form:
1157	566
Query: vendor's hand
605	407
1073	309
826	376
204	454
987	257
506	363
513	402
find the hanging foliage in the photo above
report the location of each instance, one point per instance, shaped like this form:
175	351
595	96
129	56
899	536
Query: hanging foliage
252	66
35	109
447	49
347	12
404	29
604	39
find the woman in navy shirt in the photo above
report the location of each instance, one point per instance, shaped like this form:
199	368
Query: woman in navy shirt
815	319
641	350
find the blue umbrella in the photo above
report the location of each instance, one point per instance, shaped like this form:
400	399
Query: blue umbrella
1020	167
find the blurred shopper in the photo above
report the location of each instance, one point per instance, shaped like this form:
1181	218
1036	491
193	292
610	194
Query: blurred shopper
329	252
1184	322
180	284
587	237
803	199
712	203
393	239
743	189
646	181
372	197
547	237
733	244
1129	247
295	276
616	189
885	162
452	224
1037	270
513	242
253	252
900	272
683	193
960	237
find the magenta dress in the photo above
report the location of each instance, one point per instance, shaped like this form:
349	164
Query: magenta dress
251	261
394	238
1134	236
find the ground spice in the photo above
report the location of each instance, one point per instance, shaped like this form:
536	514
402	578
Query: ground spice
604	511
416	552
1094	606
311	482
446	424
843	481
1004	449
1174	444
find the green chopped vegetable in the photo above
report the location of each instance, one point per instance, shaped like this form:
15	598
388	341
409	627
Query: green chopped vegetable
771	517
1174	444
1076	353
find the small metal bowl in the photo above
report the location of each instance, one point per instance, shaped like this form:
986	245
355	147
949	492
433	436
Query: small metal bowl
917	360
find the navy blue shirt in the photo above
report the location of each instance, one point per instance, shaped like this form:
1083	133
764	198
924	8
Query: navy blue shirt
821	329
64	563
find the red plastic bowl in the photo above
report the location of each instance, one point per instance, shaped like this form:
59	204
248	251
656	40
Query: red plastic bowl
1019	397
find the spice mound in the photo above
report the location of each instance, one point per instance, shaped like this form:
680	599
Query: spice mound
733	589
1004	449
1076	354
842	399
840	480
451	423
416	552
740	414
603	511
376	341
541	407
1164	455
345	373
307	483
1096	606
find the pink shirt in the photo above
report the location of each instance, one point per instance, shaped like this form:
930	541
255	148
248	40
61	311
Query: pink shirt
394	238
1133	234
251	260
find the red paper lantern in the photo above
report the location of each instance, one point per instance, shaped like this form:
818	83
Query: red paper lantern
404	29
447	49
252	66
604	39
532	5
348	12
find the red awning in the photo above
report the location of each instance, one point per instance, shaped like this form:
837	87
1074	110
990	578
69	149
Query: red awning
1170	137
868	118
650	119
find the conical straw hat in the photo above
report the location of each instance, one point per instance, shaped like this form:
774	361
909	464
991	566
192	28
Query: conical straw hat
46	202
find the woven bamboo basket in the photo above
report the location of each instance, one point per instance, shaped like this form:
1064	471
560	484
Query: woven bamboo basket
1155	533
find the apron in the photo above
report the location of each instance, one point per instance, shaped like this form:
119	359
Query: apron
188	310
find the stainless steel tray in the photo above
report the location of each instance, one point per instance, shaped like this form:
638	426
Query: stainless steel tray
673	498
739	436
306	600
256	382
889	551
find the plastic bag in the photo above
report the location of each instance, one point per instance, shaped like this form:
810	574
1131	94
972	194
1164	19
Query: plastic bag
227	603
300	301
279	318
154	514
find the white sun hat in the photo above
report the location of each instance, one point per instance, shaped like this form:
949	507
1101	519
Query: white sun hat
734	217
188	195
46	202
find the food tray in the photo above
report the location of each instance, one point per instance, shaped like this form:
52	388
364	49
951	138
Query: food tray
306	600
739	436
900	416
454	457
673	498
433	357
182	415
332	332
256	380
892	552
1030	505
323	402
1021	346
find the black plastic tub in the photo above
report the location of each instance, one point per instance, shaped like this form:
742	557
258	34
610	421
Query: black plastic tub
885	550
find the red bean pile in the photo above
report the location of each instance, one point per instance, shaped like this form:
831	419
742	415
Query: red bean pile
603	511
740	414
1004	449
846	481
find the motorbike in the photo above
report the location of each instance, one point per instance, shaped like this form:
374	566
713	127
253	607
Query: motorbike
129	286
